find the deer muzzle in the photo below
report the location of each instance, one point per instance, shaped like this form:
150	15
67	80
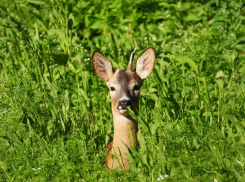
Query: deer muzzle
123	104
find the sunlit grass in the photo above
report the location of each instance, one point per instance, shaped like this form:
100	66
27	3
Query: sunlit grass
55	113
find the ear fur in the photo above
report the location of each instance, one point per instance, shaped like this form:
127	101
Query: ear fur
145	63
102	66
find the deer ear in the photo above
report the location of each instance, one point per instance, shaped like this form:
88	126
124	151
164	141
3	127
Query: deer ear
145	63
102	66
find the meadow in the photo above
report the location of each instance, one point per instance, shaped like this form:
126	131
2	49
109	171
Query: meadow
55	113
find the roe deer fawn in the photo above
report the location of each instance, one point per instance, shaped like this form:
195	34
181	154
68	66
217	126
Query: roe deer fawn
124	88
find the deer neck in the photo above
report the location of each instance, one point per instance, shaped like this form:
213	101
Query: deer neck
121	135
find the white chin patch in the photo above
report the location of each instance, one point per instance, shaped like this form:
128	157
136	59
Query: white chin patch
123	111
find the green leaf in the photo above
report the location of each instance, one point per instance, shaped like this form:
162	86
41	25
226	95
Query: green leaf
220	74
13	137
191	63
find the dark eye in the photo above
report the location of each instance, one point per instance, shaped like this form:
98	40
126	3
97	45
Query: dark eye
136	87
112	88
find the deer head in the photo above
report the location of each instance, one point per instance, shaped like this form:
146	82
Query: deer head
124	85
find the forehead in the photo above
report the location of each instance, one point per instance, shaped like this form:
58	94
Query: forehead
125	77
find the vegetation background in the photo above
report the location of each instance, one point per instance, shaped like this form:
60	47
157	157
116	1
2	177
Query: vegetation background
55	115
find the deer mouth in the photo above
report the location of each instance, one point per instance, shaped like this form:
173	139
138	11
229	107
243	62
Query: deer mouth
123	110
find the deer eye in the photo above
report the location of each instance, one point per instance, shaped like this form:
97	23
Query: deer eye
112	88
136	87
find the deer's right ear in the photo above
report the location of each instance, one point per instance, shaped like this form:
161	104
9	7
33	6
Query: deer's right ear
145	63
102	66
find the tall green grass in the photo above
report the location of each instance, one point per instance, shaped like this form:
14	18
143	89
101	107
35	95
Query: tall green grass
55	113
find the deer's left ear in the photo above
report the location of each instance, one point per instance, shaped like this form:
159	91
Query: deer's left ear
145	63
102	66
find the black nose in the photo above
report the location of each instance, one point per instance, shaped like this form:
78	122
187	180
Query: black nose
122	104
